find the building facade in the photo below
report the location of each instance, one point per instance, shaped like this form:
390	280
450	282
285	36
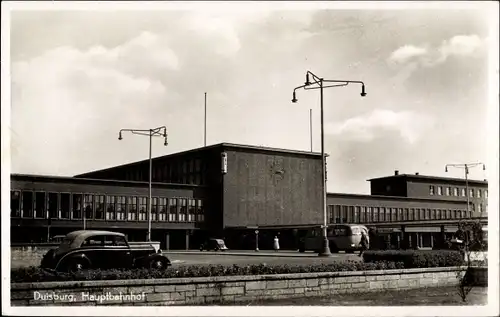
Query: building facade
237	192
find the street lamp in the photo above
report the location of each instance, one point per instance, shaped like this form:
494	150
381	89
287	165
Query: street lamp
319	83
466	169
160	131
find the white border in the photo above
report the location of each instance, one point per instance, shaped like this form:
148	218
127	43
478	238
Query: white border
492	164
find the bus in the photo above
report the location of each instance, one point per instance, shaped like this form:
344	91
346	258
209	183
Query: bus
341	237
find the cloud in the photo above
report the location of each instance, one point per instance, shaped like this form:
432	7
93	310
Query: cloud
404	53
409	125
411	57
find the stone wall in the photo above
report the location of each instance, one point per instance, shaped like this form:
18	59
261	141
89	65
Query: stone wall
232	289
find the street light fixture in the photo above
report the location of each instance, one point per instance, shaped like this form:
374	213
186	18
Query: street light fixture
318	83
162	132
466	168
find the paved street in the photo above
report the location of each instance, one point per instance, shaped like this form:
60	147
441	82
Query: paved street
236	257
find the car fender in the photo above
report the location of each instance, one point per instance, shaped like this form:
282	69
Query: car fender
70	257
147	259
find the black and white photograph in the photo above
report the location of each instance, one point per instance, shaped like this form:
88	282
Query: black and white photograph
250	158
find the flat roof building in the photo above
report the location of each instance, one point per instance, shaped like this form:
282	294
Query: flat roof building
229	190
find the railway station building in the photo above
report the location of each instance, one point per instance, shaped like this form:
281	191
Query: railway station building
236	192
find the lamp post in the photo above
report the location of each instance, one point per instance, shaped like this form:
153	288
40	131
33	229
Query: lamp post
466	170
160	131
319	83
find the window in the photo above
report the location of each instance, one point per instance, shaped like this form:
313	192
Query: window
427	214
183	210
40	205
422	214
394	214
464	214
431	190
400	213
345	211
118	241
471	192
433	214
162	209
65	206
93	241
15	203
132	209
448	214
411	214
405	214
381	217
375	214
52	202
350	214
88	206
480	208
438	214
77	206
27	204
455	191
440	190
448	191
121	207
369	214
192	210
462	192
172	209
143	215
154	209
110	210
331	219
486	193
356	214
336	213
99	207
478	193
362	215
200	213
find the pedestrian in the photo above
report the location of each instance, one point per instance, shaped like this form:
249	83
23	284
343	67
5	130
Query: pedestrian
364	243
276	244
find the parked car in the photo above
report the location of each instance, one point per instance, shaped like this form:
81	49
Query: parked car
214	244
91	249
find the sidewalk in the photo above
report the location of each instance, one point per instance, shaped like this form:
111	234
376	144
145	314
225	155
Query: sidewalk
266	253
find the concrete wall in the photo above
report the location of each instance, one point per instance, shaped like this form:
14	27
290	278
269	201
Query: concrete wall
232	289
272	189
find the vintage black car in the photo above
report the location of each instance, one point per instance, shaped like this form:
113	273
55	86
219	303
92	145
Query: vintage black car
90	249
214	244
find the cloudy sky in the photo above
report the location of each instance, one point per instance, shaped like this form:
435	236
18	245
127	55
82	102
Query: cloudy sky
79	76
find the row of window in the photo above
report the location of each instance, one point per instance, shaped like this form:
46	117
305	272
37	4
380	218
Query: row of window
362	214
51	205
455	191
186	172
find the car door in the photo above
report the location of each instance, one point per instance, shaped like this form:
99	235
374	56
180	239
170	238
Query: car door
93	248
120	254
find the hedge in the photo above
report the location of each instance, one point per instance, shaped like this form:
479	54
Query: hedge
416	259
35	274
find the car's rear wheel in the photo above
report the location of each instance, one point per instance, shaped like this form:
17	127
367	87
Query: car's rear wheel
158	264
76	266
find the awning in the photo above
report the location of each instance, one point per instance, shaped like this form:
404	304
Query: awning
451	229
422	229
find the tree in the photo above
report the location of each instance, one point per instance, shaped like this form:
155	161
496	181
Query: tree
471	239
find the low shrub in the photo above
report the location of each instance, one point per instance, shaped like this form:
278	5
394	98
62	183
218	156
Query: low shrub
35	274
415	259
